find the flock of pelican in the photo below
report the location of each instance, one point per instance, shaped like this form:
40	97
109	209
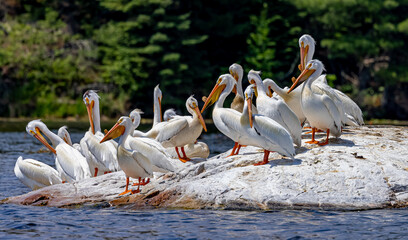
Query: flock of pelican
273	122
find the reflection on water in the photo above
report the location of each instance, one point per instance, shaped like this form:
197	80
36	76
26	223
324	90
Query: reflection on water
88	223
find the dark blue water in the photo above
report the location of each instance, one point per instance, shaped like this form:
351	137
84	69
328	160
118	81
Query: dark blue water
90	223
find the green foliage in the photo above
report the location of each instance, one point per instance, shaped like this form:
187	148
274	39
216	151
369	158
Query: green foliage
40	64
51	51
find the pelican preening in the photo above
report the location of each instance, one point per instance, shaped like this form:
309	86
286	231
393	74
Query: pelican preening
35	174
319	109
70	163
292	99
276	109
64	134
169	114
129	160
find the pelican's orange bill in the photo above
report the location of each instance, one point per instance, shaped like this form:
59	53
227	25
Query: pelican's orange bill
302	77
214	95
116	131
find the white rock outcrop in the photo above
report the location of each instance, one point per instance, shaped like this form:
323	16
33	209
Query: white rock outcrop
366	168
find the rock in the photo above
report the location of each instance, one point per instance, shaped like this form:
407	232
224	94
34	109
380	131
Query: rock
364	169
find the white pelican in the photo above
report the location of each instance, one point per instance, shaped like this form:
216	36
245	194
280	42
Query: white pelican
350	112
70	163
225	119
148	148
182	130
101	157
129	160
276	109
35	174
169	114
193	150
319	109
64	134
264	132
237	72
292	99
157	111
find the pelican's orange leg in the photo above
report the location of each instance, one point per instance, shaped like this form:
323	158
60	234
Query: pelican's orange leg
96	172
142	182
184	158
235	149
327	139
265	160
127	190
313	137
317	130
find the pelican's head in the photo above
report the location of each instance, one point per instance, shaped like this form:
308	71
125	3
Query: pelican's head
169	114
254	77
158	96
91	98
267	83
63	133
314	68
249	93
192	107
135	117
118	129
34	129
224	81
237	72
307	48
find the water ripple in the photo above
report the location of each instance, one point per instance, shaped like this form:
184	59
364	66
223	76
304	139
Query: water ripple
96	223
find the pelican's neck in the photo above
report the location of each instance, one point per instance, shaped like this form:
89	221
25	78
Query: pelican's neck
310	53
245	114
96	116
307	86
240	92
277	89
224	95
260	87
68	138
156	110
54	138
128	130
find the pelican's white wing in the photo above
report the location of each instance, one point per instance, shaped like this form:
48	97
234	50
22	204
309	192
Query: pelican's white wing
275	133
292	122
35	174
334	113
171	128
350	107
72	162
153	151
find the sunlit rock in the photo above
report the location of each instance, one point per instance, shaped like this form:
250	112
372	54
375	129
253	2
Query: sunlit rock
366	168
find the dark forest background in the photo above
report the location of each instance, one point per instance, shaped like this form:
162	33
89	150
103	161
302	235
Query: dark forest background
52	51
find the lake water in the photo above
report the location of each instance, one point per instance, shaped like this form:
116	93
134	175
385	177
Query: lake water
90	223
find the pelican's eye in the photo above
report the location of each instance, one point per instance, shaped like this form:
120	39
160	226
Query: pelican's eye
309	66
87	100
32	132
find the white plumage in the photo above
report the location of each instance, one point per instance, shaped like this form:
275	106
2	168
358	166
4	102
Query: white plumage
276	109
35	174
70	163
